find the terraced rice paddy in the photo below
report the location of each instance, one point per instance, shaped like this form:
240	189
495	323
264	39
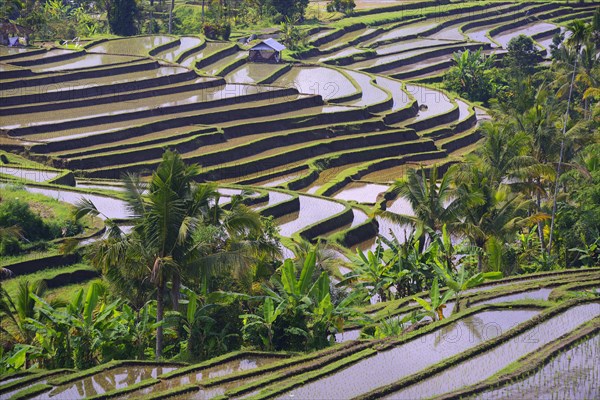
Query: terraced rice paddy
573	374
123	101
332	132
418	354
139	46
105	381
325	82
492	361
88	129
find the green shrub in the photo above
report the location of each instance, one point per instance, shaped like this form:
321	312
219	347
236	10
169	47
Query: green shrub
343	6
16	212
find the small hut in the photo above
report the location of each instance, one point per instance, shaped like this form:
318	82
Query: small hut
268	50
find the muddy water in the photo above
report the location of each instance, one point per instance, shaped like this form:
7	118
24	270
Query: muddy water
359	217
528	30
102	187
539	294
409	45
48	54
210	48
280	181
87	61
312	210
574	374
371	94
403	31
8	395
187	42
319	35
276	197
479	34
389	58
29	174
139	46
401	206
436	101
215	67
78	132
94	82
116	378
344	39
399	96
464	110
228	91
252	73
389	366
492	361
109	207
361	192
9	51
340	53
327	82
348	335
222	369
449	33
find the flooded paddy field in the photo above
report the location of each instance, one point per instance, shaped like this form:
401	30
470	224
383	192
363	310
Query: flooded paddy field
325	82
111	379
187	43
342	130
312	210
572	374
139	46
483	366
411	357
252	73
528	30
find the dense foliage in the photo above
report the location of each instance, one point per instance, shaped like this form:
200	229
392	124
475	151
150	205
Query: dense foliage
23	229
193	279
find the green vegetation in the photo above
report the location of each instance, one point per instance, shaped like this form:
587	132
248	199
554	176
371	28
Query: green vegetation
466	192
28	221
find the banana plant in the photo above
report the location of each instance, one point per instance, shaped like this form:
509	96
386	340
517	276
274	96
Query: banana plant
435	307
373	272
265	321
460	281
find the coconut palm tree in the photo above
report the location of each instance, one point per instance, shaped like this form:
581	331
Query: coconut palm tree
432	199
504	153
170	239
580	32
491	214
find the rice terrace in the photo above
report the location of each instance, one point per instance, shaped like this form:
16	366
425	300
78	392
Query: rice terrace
294	199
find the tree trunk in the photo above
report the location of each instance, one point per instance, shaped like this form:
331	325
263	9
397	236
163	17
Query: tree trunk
171	16
159	317
176	281
539	224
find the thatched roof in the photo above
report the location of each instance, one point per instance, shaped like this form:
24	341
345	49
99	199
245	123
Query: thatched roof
10	28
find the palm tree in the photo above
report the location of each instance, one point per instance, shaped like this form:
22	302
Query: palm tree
433	202
504	154
180	231
587	74
492	214
171	16
580	32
